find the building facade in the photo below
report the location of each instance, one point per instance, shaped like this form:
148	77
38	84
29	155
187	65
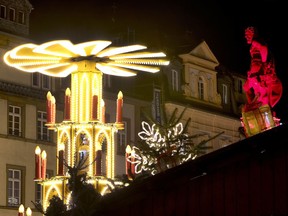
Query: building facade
212	100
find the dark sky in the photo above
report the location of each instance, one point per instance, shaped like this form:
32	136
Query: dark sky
220	23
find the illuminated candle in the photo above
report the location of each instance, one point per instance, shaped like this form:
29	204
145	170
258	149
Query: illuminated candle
21	210
37	163
53	109
43	164
48	106
94	107
128	164
61	159
98	162
103	110
132	162
67	103
119	107
28	212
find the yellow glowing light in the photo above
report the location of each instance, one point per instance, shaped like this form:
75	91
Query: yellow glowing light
37	150
60	58
49	96
117	50
21	209
67	92
61	146
120	95
43	154
128	149
138	55
28	212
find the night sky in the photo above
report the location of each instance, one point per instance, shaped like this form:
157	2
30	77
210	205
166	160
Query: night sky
221	24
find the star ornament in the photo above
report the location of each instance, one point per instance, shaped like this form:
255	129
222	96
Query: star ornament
60	58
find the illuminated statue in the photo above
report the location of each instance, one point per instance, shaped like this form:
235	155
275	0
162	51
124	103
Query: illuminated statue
84	130
263	88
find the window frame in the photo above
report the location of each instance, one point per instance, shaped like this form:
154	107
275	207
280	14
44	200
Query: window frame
123	136
41	128
22	170
11	129
40	81
21	17
175	80
38	187
12	14
46	82
224	94
3	13
36	78
106	81
240	86
201	88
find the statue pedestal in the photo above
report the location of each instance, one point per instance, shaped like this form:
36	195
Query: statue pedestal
257	120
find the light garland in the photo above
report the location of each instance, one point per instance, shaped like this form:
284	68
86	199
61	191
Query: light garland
170	146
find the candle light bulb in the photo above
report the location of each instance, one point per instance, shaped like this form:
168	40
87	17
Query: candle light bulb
37	150
44	155
21	208
120	95
48	96
68	92
28	212
128	149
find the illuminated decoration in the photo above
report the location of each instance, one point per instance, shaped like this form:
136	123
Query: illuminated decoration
119	107
43	164
128	162
61	159
163	149
37	163
84	130
263	88
21	210
28	212
67	104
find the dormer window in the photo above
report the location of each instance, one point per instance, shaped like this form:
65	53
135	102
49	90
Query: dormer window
175	80
12	14
21	17
3	11
201	88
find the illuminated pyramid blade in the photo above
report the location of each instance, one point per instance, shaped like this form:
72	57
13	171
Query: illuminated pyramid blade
60	58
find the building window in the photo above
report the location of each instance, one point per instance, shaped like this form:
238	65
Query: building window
3	11
15	188
224	94
15	121
175	80
122	140
38	187
106	81
41	81
12	14
42	130
46	82
201	88
21	17
36	80
240	86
